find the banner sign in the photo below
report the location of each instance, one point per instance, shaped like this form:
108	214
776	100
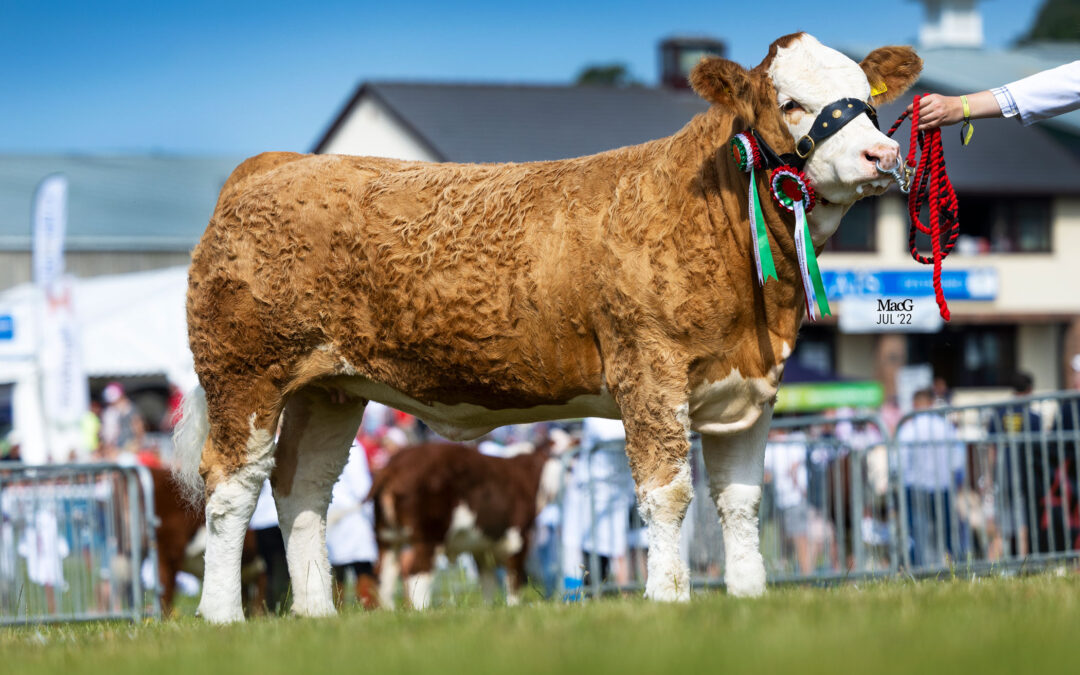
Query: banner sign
973	284
812	397
49	226
63	381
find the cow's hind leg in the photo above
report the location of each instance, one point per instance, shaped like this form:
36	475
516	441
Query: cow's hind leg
233	480
316	434
658	445
736	466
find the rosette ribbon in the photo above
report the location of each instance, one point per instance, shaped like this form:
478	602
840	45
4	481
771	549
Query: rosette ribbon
747	156
792	191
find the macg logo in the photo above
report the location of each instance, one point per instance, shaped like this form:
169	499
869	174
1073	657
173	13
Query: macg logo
886	305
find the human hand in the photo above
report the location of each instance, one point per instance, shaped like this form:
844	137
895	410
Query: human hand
936	110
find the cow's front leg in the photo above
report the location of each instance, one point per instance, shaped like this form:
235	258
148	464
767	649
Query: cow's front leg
736	466
657	444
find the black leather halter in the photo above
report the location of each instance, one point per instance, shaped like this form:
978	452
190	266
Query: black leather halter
831	119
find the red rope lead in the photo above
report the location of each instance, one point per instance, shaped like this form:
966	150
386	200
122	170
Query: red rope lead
930	186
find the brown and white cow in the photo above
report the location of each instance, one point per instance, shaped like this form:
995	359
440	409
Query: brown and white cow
620	284
449	497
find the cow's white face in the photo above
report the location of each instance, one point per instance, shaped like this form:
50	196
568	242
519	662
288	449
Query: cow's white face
808	76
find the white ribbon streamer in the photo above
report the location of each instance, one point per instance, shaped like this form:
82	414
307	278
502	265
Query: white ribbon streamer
800	249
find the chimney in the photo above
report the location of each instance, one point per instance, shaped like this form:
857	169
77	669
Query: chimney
951	23
679	54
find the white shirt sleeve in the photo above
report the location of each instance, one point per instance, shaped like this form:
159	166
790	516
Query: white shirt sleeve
1046	94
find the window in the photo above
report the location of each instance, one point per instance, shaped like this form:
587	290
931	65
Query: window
858	229
990	224
968	356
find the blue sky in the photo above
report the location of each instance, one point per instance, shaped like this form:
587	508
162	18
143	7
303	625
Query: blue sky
242	77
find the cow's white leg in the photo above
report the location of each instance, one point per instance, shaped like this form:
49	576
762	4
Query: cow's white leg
229	505
418	588
389	571
663	508
316	435
736	466
658	444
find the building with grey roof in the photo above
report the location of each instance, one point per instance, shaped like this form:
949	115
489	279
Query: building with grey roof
1019	202
125	213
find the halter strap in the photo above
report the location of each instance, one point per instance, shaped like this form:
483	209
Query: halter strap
831	119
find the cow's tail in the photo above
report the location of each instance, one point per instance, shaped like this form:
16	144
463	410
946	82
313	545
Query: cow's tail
189	437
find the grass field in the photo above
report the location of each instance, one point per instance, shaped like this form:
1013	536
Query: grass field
1017	625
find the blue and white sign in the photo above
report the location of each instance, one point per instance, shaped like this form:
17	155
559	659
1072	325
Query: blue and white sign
7	327
973	284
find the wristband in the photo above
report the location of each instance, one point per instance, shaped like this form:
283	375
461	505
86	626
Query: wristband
967	129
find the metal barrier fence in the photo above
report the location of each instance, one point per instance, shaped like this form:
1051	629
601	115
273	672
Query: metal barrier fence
77	542
971	488
826	512
989	486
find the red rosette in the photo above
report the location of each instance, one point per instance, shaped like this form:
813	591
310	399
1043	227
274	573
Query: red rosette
744	149
789	185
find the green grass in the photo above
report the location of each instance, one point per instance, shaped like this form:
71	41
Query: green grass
1015	625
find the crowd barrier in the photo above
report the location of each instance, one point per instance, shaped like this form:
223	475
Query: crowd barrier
989	486
77	542
966	489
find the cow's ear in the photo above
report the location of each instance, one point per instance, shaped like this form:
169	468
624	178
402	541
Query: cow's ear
891	71
724	83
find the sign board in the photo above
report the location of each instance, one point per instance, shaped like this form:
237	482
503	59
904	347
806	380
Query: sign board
18	338
889	315
812	397
970	284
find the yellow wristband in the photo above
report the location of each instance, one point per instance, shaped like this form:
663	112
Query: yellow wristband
967	129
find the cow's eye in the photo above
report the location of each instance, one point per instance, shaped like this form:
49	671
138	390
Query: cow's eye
791	106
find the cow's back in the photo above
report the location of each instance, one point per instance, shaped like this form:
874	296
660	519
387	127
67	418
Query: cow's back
472	270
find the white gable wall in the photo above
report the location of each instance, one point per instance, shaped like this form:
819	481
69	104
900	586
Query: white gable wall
372	130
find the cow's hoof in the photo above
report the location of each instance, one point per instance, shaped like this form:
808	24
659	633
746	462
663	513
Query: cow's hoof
669	587
313	610
220	615
746	579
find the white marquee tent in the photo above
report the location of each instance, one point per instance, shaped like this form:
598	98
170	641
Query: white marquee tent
130	325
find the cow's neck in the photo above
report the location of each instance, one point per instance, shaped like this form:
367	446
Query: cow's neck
776	311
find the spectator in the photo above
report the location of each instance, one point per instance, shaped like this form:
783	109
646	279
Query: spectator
932	463
350	531
173	409
600	486
121	426
271	548
12	452
1059	528
1013	433
90	426
785	462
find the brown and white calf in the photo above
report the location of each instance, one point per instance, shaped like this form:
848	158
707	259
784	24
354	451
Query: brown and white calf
616	285
449	497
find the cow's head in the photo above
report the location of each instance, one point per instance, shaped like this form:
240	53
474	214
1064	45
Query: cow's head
783	96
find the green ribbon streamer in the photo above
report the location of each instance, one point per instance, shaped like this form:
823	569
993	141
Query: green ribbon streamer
815	276
768	267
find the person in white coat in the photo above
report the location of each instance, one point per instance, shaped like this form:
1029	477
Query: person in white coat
350	529
607	477
1043	95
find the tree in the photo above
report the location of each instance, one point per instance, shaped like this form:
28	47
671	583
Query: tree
606	75
1057	21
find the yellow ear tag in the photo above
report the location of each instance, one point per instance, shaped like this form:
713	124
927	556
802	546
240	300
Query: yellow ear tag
878	89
